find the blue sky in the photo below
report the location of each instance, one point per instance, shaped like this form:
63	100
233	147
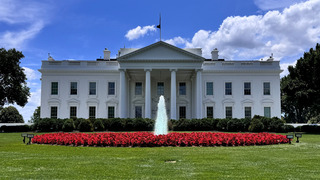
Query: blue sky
80	30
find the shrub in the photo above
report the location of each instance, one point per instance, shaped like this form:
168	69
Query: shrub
77	122
85	125
98	125
59	124
310	129
10	115
234	125
256	125
117	124
222	124
23	128
68	125
46	125
276	125
288	128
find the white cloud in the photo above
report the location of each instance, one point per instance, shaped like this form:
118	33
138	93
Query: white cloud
27	17
284	67
176	41
31	74
139	32
284	33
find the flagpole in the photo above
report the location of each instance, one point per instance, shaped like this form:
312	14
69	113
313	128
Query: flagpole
159	26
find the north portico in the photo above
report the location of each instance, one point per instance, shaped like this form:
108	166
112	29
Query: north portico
161	66
130	85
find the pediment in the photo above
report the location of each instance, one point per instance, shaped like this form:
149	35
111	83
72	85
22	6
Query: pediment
160	51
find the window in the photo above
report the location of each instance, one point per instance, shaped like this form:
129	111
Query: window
110	111
160	88
266	88
228	112
247	88
73	112
228	88
247	112
182	112
138	111
209	88
92	112
111	88
54	88
73	88
209	112
138	90
54	112
92	88
267	112
182	88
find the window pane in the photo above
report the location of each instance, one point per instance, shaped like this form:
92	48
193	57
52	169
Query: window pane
54	88
209	88
54	112
228	112
182	88
267	112
266	88
92	112
73	88
138	90
209	112
73	112
247	88
138	112
228	88
92	88
160	88
111	88
110	111
182	112
247	112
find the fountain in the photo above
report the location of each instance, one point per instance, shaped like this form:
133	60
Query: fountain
161	126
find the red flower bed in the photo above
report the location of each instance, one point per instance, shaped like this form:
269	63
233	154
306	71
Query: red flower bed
147	139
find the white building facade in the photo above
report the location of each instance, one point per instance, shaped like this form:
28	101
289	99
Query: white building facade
130	85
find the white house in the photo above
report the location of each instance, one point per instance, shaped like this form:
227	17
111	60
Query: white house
130	85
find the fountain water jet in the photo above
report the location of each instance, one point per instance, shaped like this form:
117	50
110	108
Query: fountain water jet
161	126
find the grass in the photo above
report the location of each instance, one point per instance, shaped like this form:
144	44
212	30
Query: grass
295	161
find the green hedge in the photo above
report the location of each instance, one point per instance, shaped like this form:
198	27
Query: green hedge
256	124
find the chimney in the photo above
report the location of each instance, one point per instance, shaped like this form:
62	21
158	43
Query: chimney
50	58
214	54
106	54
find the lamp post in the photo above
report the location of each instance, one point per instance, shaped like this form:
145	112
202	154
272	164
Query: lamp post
24	135
298	135
290	136
30	136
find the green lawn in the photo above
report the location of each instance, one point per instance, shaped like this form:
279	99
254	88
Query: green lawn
295	161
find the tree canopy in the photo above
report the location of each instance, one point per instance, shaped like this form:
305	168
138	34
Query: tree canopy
36	116
300	89
13	86
10	115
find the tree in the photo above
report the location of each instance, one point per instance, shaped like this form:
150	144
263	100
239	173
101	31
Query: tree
10	115
36	116
300	89
13	86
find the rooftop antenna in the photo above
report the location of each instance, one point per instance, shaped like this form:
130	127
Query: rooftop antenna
159	26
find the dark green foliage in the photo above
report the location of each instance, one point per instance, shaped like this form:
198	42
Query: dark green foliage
314	120
276	125
256	125
222	124
98	125
310	129
234	125
23	128
85	125
288	128
68	125
300	89
13	86
10	115
46	125
59	124
36	115
77	122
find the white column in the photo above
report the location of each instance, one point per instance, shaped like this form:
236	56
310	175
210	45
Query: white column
173	98
123	94
199	94
148	94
